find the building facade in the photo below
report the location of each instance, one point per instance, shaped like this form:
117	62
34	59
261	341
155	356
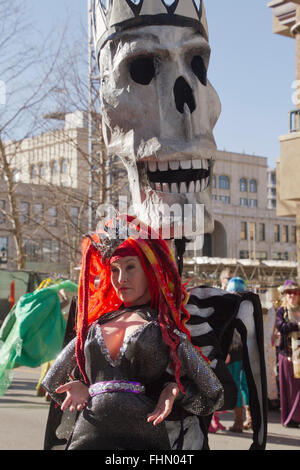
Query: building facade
53	178
244	209
286	22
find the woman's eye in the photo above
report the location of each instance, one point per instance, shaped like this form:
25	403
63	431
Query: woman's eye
142	70
130	266
199	69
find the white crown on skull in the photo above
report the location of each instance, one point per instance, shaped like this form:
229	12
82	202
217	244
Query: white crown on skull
111	17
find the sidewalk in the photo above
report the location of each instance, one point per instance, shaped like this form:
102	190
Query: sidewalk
279	437
23	418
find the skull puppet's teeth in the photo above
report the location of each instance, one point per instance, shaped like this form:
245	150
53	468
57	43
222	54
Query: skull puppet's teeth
186	164
197	164
174	188
174	165
152	166
163	166
191	187
183	188
179	176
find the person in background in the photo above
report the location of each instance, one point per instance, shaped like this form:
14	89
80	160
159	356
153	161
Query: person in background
234	361
271	341
288	325
225	277
40	391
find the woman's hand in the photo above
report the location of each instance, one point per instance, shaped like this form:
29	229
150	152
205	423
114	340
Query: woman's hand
77	395
164	405
275	336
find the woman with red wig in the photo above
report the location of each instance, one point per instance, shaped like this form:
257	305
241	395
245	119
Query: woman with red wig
132	364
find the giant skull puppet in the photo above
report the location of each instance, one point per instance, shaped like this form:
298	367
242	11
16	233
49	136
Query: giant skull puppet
158	108
159	111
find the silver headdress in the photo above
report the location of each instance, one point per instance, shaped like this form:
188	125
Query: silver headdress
111	17
111	234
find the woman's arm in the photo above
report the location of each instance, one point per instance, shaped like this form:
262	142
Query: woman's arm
203	392
60	371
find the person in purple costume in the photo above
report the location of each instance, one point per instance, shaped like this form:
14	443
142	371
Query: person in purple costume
288	325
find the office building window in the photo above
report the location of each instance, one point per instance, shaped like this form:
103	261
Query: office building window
37	213
54	168
253	202
42	170
16	175
32	250
24	212
214	197
2	209
273	178
276	233
294	234
3	250
285	234
34	172
243	185
260	255
52	216
252	230
74	214
253	186
244	254
224	199
262	232
224	182
280	256
64	166
243	201
50	251
244	231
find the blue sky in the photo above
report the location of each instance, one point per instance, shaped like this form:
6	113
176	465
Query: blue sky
251	68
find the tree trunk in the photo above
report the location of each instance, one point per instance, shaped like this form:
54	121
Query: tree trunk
14	217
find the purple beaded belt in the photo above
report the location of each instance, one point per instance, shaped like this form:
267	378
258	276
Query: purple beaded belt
115	386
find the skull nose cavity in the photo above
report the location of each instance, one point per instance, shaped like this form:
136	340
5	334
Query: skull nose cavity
184	95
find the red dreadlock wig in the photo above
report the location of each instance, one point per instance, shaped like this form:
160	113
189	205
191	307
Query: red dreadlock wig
168	295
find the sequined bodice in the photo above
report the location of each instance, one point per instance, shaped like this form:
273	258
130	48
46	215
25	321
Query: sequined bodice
143	356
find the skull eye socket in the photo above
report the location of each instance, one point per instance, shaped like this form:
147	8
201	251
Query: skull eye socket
199	69
142	70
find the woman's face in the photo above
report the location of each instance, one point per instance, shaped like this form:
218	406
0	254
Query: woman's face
292	297
129	281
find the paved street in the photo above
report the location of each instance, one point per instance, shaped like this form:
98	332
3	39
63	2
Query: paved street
23	419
